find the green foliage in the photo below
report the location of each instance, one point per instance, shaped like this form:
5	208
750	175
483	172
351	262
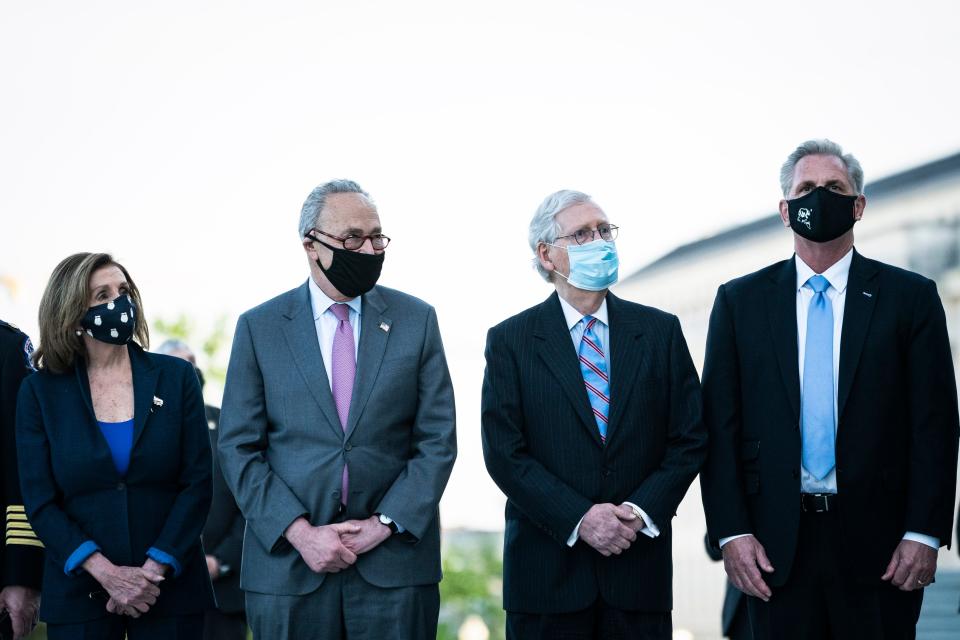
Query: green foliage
472	583
209	348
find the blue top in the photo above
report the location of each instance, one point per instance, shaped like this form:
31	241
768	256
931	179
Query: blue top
119	437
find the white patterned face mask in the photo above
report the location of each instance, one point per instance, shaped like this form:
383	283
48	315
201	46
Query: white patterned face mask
112	322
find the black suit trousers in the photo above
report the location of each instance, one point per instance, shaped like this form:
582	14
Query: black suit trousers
821	601
597	622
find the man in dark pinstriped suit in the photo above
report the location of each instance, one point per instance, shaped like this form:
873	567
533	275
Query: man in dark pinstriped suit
592	427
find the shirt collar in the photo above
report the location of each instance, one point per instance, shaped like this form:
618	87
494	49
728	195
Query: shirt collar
573	316
320	302
837	275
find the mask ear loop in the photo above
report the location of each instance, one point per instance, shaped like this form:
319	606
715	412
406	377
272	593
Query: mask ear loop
556	246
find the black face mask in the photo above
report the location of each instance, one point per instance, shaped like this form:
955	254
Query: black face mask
821	215
112	322
351	273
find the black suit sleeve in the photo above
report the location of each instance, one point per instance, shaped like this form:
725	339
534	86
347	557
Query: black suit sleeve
932	397
720	484
189	511
545	499
22	552
661	492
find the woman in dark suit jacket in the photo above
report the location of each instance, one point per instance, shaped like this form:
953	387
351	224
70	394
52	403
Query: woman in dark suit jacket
118	485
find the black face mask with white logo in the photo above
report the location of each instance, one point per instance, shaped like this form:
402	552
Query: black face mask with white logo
822	215
112	322
352	273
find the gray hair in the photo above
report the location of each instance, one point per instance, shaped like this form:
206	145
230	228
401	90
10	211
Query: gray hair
171	346
317	200
544	227
821	147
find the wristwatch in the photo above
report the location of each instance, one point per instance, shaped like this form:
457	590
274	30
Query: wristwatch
388	522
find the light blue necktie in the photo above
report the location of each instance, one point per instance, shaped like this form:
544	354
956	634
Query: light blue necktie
817	417
593	366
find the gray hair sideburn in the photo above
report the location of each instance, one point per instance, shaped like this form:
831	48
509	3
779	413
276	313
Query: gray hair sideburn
317	200
821	147
544	227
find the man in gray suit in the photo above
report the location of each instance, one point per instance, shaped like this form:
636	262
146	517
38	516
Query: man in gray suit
337	439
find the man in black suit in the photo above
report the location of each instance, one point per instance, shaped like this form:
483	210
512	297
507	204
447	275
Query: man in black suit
592	428
223	532
830	398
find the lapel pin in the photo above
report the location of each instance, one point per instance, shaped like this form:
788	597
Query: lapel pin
157	402
384	327
869	295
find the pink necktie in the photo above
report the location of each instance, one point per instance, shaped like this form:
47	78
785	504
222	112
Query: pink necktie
344	369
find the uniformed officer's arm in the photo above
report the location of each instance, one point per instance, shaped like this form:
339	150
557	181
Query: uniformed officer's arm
23	551
61	534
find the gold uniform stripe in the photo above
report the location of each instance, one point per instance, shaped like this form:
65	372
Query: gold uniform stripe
15	508
24	526
25	533
21	517
27	542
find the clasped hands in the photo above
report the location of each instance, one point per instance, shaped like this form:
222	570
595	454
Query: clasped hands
334	547
610	528
131	591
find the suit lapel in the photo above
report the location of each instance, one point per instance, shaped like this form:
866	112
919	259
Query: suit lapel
374	332
862	289
626	353
556	349
83	381
300	333
145	377
781	302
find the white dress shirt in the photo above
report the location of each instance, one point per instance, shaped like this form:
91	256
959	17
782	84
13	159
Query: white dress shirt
837	275
602	331
326	323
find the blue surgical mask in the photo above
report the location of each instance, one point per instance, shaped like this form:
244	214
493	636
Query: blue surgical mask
593	266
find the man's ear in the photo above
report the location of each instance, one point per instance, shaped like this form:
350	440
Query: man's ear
785	213
543	255
858	206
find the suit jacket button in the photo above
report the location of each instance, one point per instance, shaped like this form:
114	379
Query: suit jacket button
335	494
795	473
347	447
121	486
606	473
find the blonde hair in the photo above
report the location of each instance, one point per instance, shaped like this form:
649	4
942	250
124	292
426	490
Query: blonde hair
64	303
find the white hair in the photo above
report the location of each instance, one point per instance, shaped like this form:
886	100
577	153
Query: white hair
172	346
544	227
826	148
317	200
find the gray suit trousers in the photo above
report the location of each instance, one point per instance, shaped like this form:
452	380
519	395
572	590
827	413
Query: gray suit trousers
346	607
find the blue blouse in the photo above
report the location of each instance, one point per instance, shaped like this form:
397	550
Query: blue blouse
119	437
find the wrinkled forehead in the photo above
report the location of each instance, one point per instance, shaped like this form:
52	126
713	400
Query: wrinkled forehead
820	170
107	275
349	213
583	215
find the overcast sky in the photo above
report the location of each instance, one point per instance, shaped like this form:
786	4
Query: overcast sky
184	136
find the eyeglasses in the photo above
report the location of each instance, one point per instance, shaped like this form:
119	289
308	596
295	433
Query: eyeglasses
606	231
378	241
